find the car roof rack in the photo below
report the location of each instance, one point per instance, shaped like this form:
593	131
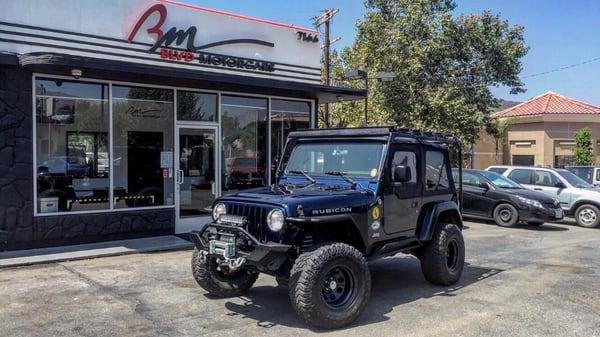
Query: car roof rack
435	137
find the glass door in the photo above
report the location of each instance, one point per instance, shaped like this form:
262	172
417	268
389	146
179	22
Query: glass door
196	176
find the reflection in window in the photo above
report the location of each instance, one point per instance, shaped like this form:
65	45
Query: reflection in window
72	146
244	142
194	106
143	146
436	175
286	116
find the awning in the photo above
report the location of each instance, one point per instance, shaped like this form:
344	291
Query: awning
62	64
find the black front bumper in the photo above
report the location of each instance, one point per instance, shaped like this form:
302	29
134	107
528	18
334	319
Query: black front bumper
264	256
540	215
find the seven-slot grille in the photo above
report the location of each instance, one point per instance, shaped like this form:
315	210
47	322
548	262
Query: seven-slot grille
256	216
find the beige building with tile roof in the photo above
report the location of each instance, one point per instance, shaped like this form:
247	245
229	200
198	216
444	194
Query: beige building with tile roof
541	133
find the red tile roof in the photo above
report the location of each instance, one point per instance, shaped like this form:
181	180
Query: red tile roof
549	103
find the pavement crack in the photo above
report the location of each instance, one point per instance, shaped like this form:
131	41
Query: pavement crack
139	308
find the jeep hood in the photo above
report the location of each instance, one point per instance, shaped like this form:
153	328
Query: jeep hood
315	199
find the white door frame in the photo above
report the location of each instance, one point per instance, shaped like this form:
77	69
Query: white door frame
194	223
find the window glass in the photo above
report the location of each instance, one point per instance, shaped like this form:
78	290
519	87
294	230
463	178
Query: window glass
71	146
521	176
194	106
143	120
406	158
500	181
498	170
286	116
471	179
597	174
573	179
244	142
436	175
545	178
352	158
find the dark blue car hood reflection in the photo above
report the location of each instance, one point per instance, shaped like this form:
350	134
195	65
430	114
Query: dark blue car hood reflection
312	198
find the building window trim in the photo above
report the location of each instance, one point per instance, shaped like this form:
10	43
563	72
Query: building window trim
110	83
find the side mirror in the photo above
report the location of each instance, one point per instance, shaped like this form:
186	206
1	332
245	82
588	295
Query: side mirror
484	185
560	184
402	174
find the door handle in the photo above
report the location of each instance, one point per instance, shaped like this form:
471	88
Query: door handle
212	188
537	189
415	204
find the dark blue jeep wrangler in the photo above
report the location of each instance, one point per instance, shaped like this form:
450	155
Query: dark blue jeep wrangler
343	197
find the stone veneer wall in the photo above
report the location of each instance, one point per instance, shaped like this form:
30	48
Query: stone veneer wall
18	227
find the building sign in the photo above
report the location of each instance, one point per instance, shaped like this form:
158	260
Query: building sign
171	41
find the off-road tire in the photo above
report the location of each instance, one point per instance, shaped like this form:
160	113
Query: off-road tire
443	258
308	277
218	283
592	211
506	215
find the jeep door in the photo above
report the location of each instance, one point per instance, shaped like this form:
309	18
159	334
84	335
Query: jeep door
402	201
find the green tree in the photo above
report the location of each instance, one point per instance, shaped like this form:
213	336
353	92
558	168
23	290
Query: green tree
584	154
445	65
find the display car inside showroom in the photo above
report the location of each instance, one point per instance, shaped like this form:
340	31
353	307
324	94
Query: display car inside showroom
131	117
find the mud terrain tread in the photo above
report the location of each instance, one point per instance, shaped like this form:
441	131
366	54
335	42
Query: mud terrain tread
305	274
433	258
234	286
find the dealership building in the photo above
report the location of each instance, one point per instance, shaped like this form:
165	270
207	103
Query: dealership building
128	118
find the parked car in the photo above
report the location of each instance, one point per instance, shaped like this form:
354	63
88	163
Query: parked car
577	197
491	196
591	174
246	171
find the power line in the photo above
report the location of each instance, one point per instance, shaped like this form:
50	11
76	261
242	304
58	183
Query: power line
562	68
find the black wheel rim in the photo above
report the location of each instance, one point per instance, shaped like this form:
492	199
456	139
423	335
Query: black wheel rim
505	214
452	255
338	287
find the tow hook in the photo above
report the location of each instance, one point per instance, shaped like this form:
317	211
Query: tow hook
235	264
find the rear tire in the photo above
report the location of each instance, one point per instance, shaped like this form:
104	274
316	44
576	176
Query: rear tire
330	286
587	216
506	215
218	282
443	258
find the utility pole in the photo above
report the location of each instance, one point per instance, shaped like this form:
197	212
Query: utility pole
325	19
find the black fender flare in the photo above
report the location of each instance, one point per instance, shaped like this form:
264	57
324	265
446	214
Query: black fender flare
431	215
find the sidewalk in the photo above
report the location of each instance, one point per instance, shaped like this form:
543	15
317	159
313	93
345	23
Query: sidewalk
92	250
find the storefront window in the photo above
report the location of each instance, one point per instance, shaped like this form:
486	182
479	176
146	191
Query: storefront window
143	120
244	142
194	106
286	116
72	125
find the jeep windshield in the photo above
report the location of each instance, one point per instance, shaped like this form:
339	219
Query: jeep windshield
344	158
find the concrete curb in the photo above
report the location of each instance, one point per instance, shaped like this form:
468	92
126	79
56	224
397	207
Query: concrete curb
92	250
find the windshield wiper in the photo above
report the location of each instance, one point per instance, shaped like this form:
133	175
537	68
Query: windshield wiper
343	175
312	181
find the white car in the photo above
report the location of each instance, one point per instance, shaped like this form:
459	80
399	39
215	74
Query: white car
577	197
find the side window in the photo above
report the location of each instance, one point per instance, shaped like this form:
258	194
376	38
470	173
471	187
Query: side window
471	179
545	178
436	172
521	176
406	158
598	174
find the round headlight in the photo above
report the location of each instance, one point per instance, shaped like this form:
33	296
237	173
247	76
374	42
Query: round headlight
219	210
275	220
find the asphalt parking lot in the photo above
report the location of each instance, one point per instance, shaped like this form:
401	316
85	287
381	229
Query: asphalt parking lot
517	282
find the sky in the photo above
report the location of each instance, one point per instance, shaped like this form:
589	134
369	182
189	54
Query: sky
560	33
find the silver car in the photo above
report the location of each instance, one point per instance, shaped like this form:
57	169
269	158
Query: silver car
577	197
